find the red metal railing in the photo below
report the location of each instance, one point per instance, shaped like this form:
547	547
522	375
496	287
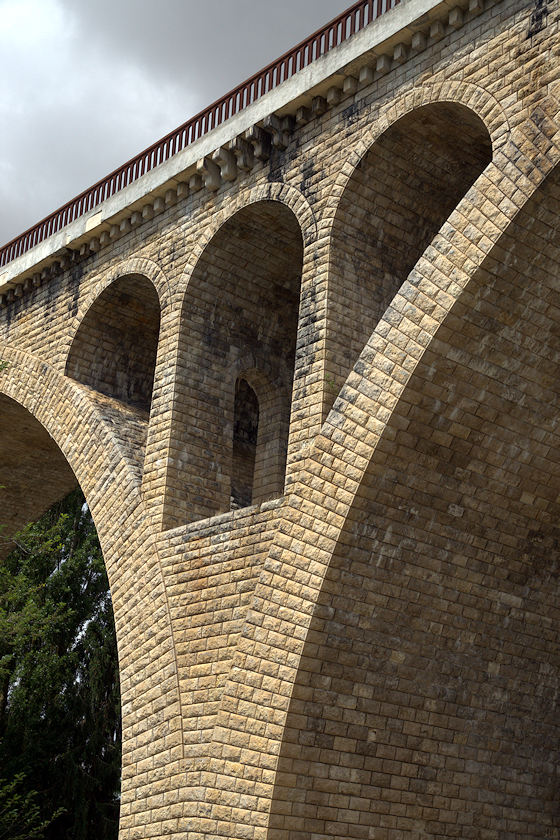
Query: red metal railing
334	33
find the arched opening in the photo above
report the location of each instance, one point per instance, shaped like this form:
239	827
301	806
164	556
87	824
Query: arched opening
245	434
114	351
60	716
397	199
239	324
427	699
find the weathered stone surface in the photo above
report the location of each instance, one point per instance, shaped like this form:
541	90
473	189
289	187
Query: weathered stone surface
369	649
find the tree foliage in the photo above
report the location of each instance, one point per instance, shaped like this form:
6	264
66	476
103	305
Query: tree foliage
20	815
60	736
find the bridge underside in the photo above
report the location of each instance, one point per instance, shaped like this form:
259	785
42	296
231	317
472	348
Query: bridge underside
33	472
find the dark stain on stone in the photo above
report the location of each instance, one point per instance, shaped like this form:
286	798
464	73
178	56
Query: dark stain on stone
538	18
307	172
73	282
350	114
277	164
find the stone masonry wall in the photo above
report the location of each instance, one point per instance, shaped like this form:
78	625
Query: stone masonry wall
370	649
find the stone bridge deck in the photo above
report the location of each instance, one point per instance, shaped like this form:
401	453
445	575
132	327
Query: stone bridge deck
307	374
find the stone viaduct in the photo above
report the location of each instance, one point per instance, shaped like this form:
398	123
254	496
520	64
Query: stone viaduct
306	370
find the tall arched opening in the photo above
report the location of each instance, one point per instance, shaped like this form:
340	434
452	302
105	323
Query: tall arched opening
239	325
398	197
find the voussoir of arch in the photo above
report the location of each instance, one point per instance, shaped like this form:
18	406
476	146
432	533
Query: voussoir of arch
477	99
281	193
135	265
306	539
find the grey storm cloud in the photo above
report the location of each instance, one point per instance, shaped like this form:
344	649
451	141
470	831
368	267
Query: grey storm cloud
85	86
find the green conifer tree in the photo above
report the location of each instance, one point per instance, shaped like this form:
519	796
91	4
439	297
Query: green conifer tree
60	728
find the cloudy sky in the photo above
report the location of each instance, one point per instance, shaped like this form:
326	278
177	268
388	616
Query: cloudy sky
86	84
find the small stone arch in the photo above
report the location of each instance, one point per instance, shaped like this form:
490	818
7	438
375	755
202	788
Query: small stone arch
134	265
471	96
116	335
271	439
282	193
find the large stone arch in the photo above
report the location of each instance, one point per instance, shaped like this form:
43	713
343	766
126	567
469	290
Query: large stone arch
287	591
426	691
73	424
